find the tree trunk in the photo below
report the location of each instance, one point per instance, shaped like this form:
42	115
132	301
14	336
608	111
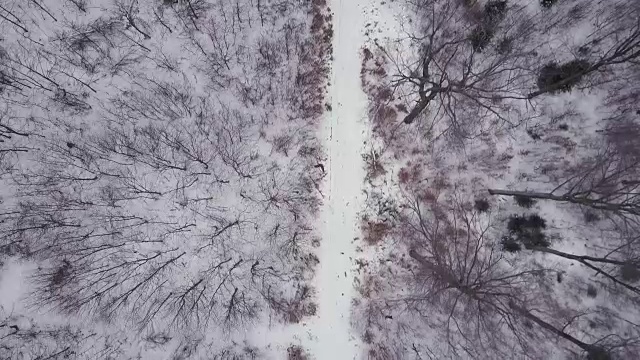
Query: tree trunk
419	108
545	325
583	260
579	257
600	205
410	118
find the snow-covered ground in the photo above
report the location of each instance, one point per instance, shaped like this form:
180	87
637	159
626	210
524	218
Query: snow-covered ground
345	134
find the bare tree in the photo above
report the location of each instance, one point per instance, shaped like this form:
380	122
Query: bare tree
603	184
486	304
128	9
22	338
458	71
614	44
608	180
467	279
151	188
484	59
8	132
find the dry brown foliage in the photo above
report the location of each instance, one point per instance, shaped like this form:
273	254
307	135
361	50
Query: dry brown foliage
373	232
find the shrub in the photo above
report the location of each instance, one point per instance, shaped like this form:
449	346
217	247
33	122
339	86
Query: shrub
296	352
524	201
510	244
533	134
630	272
519	223
591	217
404	176
495	10
367	54
374	232
516	223
61	274
584	50
535	221
598	353
282	143
402	108
528	231
380	352
367	338
563	78
296	308
548	3
482	205
535	238
504	46
373	164
481	37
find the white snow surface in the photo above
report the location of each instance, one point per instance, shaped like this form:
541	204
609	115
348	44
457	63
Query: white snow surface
345	135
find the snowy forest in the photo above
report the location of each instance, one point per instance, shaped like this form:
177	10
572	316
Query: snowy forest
157	169
503	207
320	179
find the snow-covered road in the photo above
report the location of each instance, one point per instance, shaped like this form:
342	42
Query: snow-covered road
344	133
